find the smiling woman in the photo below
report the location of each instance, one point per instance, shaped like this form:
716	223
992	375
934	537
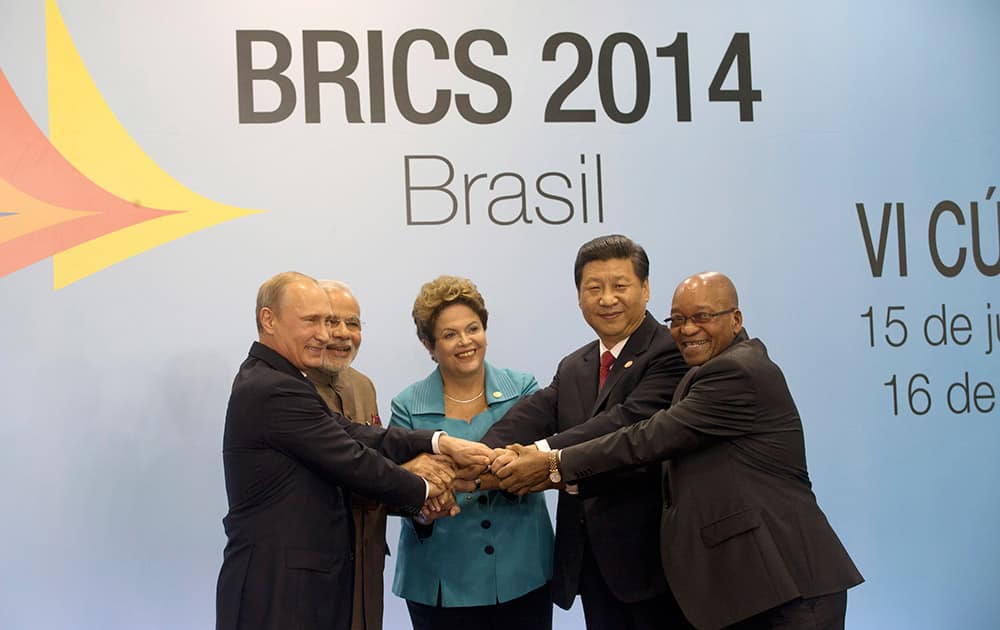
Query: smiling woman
489	565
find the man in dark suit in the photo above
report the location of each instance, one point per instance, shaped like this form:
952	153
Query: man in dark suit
743	541
289	463
605	527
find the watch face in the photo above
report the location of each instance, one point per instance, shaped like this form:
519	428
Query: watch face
555	477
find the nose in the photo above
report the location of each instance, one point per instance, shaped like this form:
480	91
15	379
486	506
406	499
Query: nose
323	333
689	327
607	297
340	331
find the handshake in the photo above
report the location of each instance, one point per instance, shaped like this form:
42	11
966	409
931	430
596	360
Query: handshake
465	466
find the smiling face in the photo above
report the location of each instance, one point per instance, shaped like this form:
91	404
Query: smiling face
612	298
459	341
345	334
298	329
705	293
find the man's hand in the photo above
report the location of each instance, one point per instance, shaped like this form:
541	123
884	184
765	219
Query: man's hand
439	470
464	452
528	472
438	507
502	457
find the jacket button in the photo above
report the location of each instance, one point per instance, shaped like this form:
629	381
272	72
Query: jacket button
489	550
483	500
486	524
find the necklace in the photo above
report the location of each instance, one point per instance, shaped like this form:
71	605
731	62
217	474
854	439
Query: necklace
465	402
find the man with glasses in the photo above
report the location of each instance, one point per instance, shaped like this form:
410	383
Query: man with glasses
743	541
352	394
289	465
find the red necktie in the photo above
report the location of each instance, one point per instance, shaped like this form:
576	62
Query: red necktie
606	360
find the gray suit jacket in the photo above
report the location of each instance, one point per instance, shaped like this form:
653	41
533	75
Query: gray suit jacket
741	531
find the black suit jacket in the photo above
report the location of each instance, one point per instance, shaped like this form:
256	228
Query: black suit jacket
742	532
618	513
289	463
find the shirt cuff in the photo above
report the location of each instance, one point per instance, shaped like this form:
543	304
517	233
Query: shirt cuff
434	442
543	446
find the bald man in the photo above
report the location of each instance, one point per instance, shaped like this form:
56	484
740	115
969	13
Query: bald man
743	542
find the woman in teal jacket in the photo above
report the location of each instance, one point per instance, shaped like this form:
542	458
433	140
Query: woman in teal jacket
488	566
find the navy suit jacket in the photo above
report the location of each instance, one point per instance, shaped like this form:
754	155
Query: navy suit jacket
617	514
742	532
290	464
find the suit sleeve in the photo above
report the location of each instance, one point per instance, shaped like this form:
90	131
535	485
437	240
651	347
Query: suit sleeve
302	427
719	405
650	395
532	418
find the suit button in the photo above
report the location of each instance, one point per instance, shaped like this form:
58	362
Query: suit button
483	500
486	524
489	550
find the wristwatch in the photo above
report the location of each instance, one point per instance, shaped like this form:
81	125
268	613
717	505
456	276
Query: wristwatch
554	475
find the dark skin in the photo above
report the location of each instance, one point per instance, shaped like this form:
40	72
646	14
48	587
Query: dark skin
524	469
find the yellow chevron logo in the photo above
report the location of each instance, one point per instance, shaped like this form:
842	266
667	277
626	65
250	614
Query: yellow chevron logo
88	196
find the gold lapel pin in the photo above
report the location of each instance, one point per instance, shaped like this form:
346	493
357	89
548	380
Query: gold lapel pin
497	394
628	364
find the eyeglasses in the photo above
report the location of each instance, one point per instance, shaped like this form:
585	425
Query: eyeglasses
353	323
678	321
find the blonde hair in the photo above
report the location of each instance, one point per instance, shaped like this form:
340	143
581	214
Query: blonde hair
440	293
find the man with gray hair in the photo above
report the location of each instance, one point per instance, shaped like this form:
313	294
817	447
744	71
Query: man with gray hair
352	394
291	466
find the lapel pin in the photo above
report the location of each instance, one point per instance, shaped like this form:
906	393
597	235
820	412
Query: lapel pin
497	394
628	364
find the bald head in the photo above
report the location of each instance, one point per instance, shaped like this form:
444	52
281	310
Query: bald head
711	283
705	316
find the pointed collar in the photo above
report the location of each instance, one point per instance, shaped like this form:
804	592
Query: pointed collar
428	394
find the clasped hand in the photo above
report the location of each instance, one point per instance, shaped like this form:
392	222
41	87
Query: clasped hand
466	466
522	469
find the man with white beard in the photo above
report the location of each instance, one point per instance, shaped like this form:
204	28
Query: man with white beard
352	394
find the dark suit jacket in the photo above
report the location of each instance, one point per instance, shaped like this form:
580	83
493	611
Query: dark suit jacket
742	532
619	513
288	563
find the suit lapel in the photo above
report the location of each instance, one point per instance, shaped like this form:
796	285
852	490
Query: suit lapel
586	381
637	344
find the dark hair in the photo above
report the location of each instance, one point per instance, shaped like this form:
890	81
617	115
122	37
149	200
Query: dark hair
607	248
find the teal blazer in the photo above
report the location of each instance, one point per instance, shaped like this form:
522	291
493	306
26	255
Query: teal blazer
499	547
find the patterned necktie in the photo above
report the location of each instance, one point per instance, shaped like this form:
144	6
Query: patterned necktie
606	360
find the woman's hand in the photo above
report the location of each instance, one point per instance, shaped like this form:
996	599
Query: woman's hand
464	452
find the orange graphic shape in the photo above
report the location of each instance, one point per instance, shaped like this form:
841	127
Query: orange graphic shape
22	214
30	164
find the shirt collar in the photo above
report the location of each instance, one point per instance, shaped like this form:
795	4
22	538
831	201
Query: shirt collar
322	378
615	349
428	397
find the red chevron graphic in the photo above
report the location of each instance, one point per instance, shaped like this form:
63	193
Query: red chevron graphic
30	164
